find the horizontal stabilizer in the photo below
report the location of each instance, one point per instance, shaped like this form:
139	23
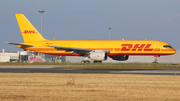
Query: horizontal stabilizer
22	45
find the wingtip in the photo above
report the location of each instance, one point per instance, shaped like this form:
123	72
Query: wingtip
7	42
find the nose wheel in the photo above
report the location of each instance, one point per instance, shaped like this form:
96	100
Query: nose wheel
156	58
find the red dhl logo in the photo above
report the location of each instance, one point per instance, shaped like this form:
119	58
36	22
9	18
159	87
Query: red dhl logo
136	47
29	32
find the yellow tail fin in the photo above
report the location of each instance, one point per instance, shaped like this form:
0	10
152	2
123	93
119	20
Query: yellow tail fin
28	31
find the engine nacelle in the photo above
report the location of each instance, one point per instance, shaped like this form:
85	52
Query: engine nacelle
120	57
98	55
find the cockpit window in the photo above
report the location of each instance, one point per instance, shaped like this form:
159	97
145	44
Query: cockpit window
167	46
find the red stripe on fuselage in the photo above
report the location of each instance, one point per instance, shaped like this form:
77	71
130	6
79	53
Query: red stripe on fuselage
110	54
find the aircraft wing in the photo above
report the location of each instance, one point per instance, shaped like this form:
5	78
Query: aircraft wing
75	50
22	45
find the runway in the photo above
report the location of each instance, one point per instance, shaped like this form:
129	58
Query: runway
49	69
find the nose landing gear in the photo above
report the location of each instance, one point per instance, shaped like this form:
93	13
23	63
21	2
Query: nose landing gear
156	58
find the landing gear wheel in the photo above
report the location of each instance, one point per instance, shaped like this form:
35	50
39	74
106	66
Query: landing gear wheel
155	62
85	61
156	58
95	61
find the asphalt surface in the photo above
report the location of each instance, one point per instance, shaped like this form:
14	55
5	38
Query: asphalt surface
49	69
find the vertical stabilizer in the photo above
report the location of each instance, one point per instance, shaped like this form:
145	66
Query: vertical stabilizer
28	31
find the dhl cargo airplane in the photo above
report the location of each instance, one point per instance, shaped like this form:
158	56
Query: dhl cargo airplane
97	50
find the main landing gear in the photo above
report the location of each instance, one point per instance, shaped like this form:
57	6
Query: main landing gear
85	60
95	61
156	58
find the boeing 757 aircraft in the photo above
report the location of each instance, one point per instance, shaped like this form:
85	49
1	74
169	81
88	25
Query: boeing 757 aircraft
97	50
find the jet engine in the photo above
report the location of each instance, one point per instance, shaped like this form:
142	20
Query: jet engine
120	57
98	55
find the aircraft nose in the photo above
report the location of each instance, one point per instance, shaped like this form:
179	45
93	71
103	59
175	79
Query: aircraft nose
174	51
170	50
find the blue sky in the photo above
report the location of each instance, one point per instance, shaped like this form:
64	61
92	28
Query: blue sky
90	19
